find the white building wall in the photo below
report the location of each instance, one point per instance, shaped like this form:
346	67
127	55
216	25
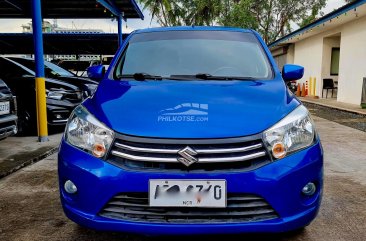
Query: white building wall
291	54
309	54
352	64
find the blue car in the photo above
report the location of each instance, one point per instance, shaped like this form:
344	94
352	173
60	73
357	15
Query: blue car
192	130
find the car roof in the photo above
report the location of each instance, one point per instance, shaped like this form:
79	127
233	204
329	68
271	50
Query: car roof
193	28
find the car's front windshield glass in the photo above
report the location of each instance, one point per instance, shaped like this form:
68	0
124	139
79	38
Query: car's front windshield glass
57	70
51	70
194	53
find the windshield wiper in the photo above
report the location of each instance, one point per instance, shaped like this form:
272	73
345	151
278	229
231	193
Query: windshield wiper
206	76
140	76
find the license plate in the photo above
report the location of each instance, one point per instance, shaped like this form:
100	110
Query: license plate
4	108
187	193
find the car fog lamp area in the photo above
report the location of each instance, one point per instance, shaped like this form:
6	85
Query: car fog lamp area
309	189
85	132
70	187
294	132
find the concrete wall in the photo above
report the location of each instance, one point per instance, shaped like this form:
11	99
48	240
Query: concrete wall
309	53
291	54
352	64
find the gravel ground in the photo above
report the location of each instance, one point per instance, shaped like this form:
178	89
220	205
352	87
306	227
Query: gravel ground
353	120
30	208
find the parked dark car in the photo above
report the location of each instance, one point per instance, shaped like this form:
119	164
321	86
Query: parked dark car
78	67
64	91
8	112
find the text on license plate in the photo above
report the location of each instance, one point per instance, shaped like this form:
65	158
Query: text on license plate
187	193
4	108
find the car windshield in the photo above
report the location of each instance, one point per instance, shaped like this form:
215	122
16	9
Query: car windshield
51	70
194	54
56	70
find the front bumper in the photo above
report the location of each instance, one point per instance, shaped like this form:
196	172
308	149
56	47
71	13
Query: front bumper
8	126
279	183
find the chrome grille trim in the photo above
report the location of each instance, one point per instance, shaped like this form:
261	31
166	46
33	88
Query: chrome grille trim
201	160
199	151
153	154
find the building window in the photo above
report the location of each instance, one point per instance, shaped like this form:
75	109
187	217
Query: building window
334	63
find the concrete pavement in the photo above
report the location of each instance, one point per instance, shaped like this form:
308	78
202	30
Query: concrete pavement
17	152
30	207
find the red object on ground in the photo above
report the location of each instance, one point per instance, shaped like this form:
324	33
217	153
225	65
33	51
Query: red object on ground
298	91
303	90
306	89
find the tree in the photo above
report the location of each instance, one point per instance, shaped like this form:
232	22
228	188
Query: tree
183	12
160	10
271	18
238	14
275	17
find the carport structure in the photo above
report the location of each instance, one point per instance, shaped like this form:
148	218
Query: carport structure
61	43
58	9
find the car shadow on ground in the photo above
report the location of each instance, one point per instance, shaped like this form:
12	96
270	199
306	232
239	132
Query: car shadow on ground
51	131
111	236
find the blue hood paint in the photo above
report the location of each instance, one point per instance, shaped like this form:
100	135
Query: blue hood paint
235	108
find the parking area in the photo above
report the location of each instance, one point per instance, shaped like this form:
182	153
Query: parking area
30	207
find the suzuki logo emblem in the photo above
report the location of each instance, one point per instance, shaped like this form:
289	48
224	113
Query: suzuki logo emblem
187	156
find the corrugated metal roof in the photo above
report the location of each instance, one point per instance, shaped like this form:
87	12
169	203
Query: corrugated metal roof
69	9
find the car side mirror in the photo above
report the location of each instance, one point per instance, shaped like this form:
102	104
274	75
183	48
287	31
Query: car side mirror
292	72
96	72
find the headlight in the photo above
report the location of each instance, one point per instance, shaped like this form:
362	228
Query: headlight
92	88
296	131
84	131
56	95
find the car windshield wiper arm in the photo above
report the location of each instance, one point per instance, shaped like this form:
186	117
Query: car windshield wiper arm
191	76
206	76
140	76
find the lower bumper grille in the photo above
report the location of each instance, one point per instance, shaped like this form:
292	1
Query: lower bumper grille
240	208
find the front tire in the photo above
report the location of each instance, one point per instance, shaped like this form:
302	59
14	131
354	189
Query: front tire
27	123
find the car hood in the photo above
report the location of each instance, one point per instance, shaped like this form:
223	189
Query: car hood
2	84
59	84
5	92
191	109
78	81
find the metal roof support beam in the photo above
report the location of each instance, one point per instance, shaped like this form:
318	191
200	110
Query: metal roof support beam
109	4
15	4
40	76
111	7
120	40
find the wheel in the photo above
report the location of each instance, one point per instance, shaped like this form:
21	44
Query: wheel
27	124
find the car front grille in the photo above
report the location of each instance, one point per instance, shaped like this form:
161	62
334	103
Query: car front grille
210	154
240	208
